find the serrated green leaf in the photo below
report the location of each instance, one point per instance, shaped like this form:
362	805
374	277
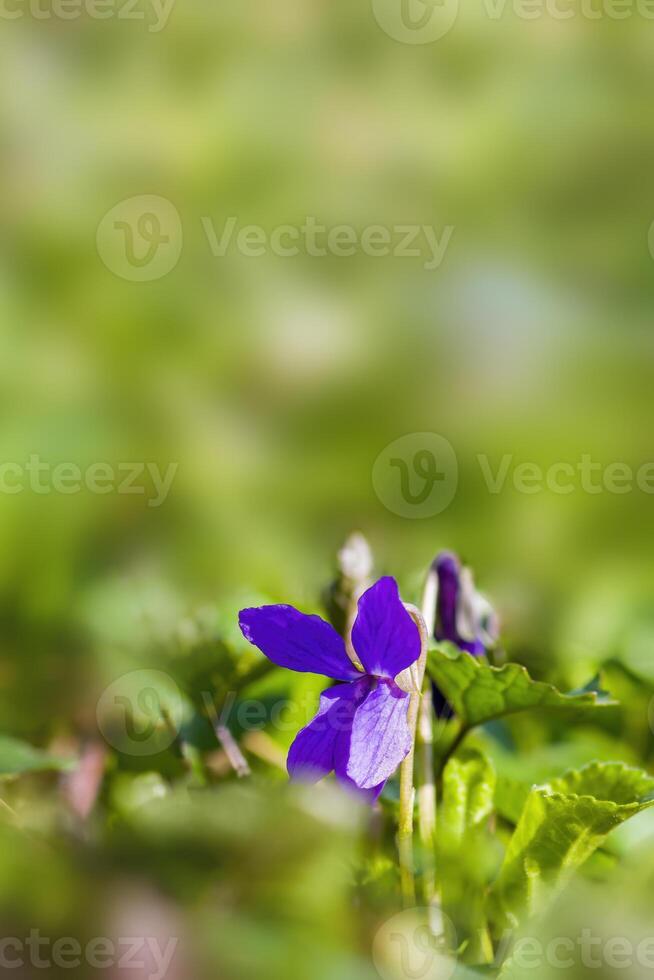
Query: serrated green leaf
562	824
517	771
478	692
615	782
17	757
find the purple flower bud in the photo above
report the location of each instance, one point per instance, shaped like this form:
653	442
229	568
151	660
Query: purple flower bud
459	614
457	610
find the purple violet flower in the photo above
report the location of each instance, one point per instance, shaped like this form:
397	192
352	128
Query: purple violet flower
461	615
455	618
360	731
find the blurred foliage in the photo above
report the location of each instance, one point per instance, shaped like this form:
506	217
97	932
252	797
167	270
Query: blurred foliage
275	384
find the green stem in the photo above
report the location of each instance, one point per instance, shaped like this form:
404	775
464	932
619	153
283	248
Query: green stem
427	812
427	795
407	792
405	820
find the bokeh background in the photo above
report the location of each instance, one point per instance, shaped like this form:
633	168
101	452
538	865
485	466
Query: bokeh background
275	383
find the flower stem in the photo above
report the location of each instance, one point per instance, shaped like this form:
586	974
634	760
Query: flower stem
427	795
405	820
427	790
407	792
227	741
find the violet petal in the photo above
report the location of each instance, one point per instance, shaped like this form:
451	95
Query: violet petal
295	640
365	795
384	636
311	756
379	738
448	569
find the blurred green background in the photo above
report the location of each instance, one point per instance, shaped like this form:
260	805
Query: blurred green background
275	383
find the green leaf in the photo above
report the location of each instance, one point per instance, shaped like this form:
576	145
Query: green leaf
466	854
17	757
468	791
561	825
518	771
478	692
